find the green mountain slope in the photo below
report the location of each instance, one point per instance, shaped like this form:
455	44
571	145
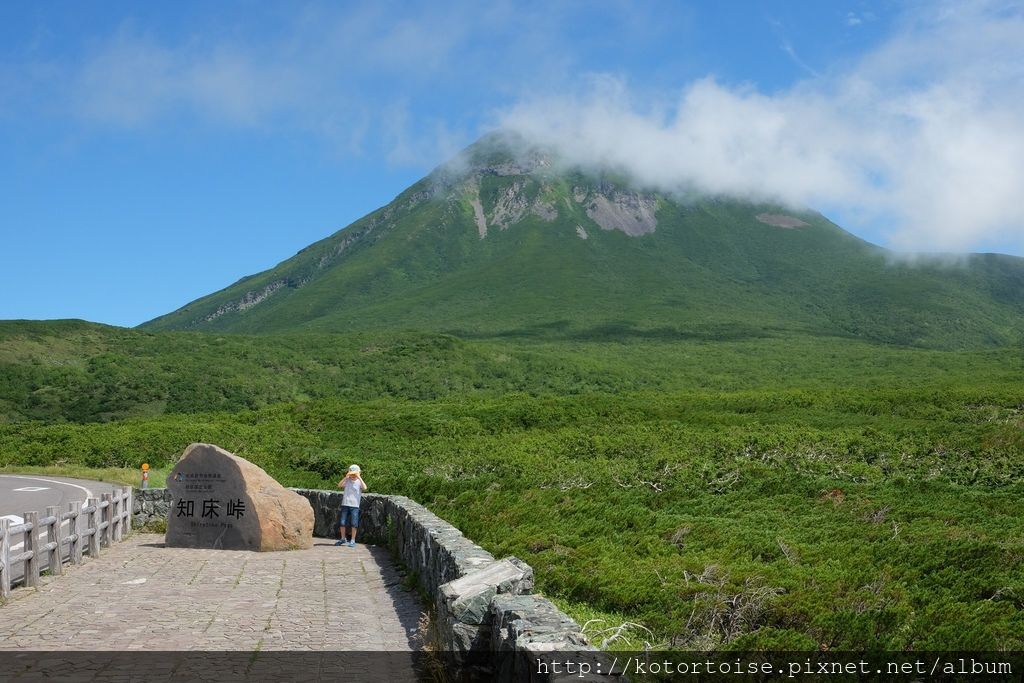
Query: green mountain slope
505	242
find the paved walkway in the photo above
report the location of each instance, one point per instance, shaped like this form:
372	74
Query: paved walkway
140	595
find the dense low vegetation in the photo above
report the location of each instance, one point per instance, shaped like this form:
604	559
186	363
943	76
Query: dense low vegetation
72	371
780	493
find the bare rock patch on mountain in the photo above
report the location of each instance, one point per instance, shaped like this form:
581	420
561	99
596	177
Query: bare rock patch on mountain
630	212
780	220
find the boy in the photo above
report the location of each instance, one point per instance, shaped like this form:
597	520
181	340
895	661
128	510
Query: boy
348	517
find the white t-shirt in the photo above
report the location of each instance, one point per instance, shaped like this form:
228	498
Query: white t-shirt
353	493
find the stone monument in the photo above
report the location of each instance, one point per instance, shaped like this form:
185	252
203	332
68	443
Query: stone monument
219	500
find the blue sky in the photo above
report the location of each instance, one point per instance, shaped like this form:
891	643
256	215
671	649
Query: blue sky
151	153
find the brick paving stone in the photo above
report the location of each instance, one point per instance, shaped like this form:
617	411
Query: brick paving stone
326	598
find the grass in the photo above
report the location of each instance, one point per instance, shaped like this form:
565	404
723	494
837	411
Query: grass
113	475
781	519
610	631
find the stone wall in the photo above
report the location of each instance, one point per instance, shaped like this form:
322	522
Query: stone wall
488	620
429	546
149	505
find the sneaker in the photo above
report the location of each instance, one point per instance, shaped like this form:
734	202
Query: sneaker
351	544
341	543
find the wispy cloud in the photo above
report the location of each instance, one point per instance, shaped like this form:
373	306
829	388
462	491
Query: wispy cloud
324	70
134	80
345	73
925	133
787	47
779	29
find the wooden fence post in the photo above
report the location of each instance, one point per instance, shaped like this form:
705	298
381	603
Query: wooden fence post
93	505
106	517
32	545
129	493
55	535
5	559
115	518
75	530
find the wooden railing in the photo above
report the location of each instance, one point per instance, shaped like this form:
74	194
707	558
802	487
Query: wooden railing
92	526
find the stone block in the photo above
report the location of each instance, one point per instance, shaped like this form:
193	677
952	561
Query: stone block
468	599
529	630
150	504
521	619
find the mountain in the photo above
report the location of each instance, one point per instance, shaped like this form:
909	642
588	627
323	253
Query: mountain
507	241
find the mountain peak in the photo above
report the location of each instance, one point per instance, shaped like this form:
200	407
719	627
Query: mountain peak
506	179
500	153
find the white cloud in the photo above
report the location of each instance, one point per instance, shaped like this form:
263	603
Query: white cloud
926	133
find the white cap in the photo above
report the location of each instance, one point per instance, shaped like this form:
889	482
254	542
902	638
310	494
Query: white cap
353	468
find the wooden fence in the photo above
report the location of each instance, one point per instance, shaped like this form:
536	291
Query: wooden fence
92	526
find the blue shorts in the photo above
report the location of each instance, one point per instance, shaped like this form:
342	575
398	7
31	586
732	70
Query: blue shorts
348	516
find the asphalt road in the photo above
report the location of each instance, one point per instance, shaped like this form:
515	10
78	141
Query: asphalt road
20	493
